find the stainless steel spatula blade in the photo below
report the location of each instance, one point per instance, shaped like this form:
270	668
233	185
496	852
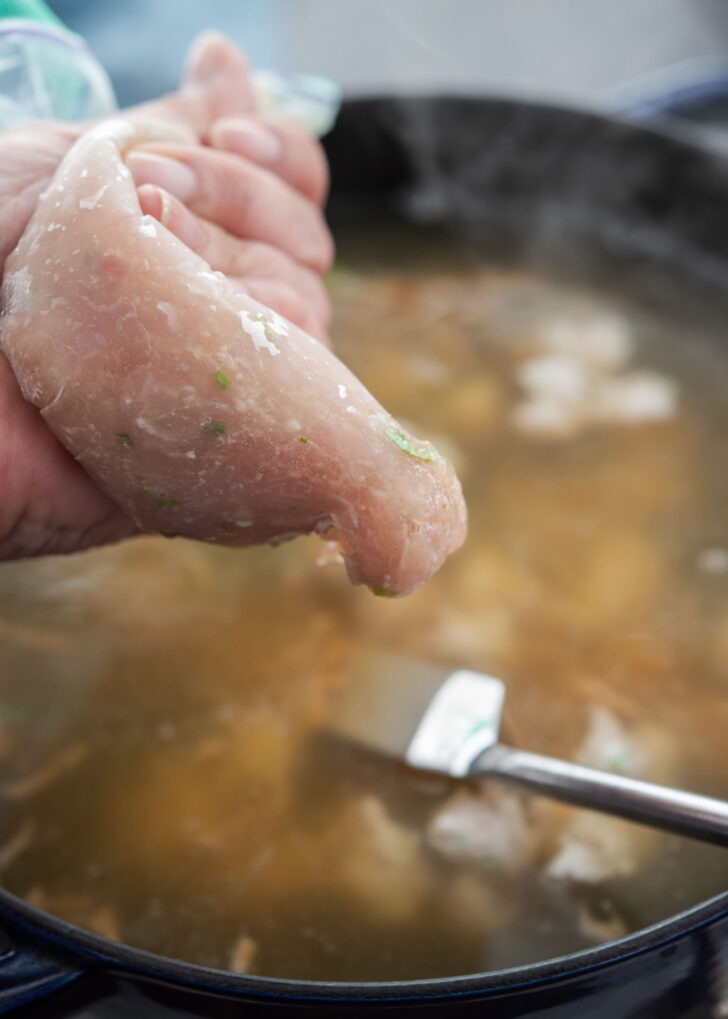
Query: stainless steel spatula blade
429	715
460	722
444	720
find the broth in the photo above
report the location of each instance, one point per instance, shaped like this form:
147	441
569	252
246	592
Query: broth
163	778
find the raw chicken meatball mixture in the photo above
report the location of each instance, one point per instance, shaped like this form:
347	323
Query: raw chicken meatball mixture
198	410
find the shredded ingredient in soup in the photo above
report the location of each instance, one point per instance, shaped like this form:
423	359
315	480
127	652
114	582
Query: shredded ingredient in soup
163	780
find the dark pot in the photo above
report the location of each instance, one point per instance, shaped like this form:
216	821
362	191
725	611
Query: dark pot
647	210
674	970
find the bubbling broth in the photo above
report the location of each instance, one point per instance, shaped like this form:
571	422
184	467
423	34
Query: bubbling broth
164	778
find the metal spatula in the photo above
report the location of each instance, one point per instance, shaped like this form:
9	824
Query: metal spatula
447	721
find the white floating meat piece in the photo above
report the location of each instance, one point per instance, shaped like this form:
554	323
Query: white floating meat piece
597	847
198	410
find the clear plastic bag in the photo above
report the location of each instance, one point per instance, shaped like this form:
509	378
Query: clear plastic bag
47	72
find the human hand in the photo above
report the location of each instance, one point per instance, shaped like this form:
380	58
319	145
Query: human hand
249	199
199	410
244	192
47	502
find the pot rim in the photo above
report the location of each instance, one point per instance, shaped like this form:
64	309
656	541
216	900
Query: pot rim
94	948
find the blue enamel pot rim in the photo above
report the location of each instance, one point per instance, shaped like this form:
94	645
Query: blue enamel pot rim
48	934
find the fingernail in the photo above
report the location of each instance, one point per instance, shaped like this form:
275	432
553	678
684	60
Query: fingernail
175	177
206	58
151	201
179	220
246	138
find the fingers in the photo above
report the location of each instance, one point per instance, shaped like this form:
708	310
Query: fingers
245	200
290	154
216	83
216	100
263	272
214	64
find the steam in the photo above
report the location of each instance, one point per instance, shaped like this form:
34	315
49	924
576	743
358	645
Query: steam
563	187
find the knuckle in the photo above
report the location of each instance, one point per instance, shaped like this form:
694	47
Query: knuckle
304	163
318	250
320	302
318	173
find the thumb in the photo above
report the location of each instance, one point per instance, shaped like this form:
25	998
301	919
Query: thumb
216	83
216	64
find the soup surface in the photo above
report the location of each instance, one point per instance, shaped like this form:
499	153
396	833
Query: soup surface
164	779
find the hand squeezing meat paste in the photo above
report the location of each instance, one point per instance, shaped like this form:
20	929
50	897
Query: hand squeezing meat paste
199	411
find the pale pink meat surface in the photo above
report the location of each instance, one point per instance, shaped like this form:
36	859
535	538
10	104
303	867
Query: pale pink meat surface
199	411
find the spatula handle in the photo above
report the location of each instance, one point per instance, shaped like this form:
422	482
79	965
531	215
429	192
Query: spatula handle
685	813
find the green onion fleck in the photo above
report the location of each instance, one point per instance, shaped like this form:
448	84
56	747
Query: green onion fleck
383	592
213	428
399	438
161	498
222	379
619	761
125	439
303	439
267	328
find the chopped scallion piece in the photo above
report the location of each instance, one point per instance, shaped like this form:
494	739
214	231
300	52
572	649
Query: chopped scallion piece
399	438
161	498
619	761
125	439
222	379
267	327
213	428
